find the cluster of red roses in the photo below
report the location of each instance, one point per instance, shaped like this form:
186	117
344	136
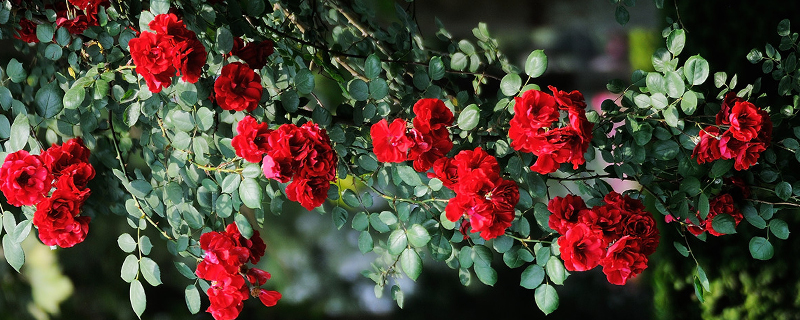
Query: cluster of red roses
225	258
428	140
238	87
749	133
302	155
27	179
534	128
81	15
723	203
172	50
619	236
483	197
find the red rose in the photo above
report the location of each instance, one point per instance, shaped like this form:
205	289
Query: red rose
605	219
390	143
250	142
238	88
468	160
154	57
24	179
565	212
431	115
286	147
320	161
721	204
707	149
745	154
27	31
491	223
428	147
505	195
268	297
745	121
557	146
58	221
723	116
310	193
623	261
257	276
446	171
77	25
222	255
59	157
226	297
533	111
190	53
581	247
255	54
76	177
568	100
642	227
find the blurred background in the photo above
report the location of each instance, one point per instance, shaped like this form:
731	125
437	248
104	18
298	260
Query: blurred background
318	268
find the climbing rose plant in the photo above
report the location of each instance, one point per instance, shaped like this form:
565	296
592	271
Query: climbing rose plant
237	108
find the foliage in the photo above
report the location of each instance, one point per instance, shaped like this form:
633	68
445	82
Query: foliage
153	89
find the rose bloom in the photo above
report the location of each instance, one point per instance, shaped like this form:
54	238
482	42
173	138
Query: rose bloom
565	212
557	146
255	54
58	221
723	116
533	111
222	254
238	88
623	261
606	219
468	160
226	297
572	100
446	171
707	149
745	154
250	142
27	31
153	56
431	115
75	177
59	157
320	160
745	121
24	179
77	25
269	297
582	247
642	226
390	143
491	223
310	193
721	204
428	147
190	53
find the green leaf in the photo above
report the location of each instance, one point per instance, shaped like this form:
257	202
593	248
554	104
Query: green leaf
689	102
20	131
250	193
724	223
720	168
681	248
378	89
45	32
469	117
53	51
761	248
411	263
409	175
671	116
290	101
224	42
532	277
365	242
418	236
397	242
140	188
184	270
622	15
160	6
339	216
674	84
12	251
556	271
138	298
783	28
243	225
358	89
130	268
751	215
304	81
150	271
126	243
192	296
691	186
696	71
436	68
783	190
779	228
546	298
48	101
665	149
16	71
536	64
372	67
459	61
74	97
676	41
510	84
